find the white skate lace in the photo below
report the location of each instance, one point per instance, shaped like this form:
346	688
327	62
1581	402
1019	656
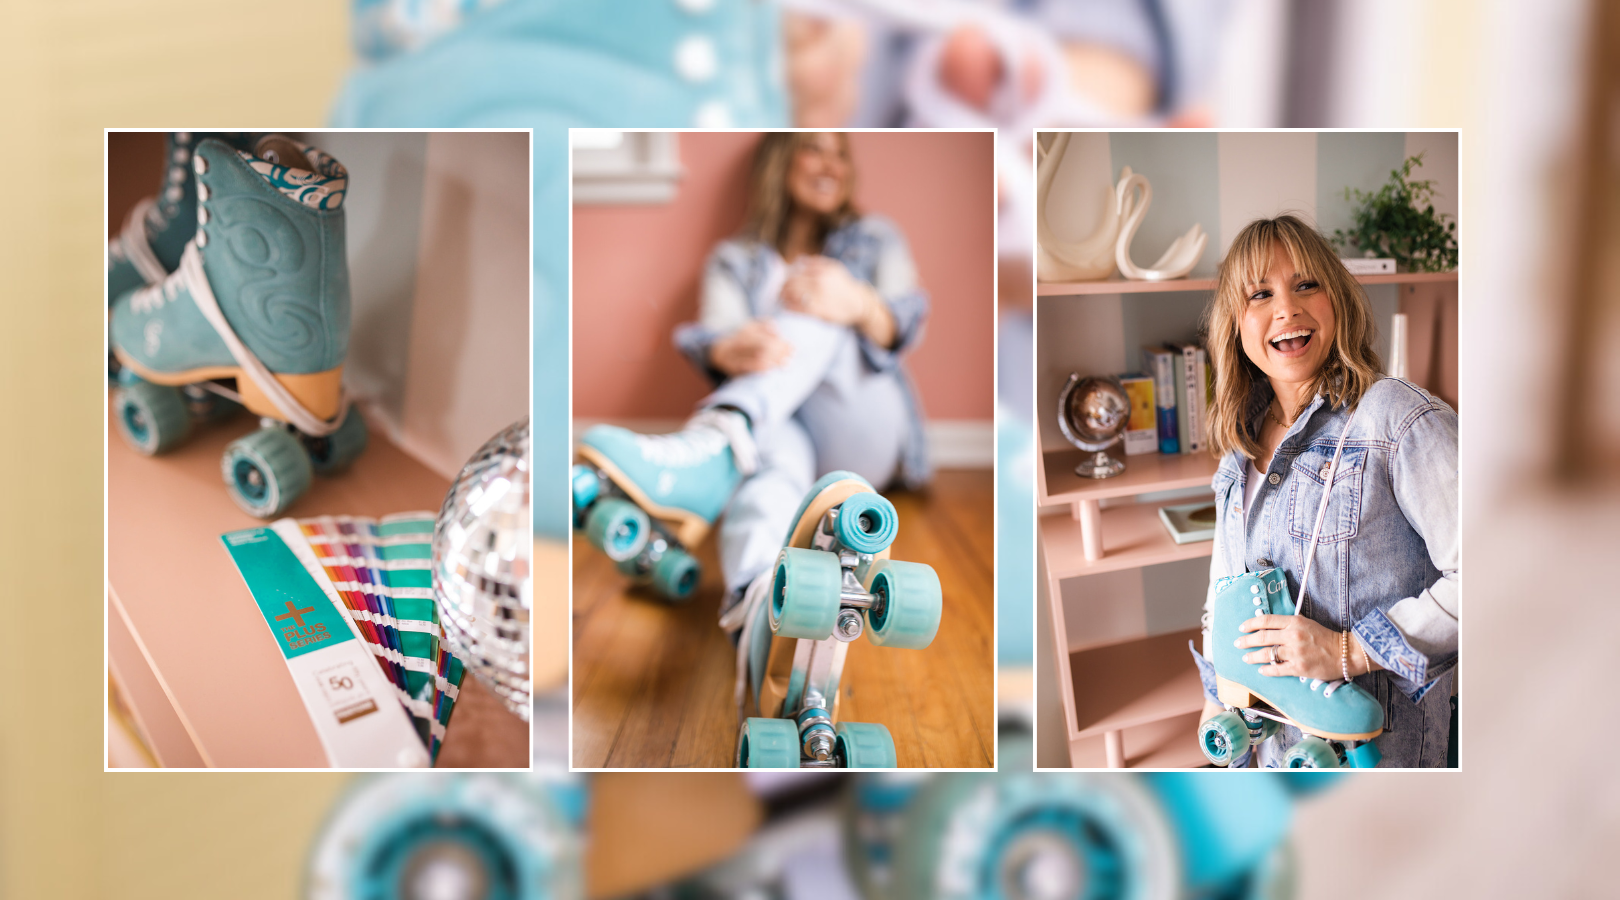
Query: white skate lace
742	615
132	240
191	275
705	435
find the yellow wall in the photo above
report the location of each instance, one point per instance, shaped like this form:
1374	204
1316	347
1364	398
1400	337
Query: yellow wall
71	68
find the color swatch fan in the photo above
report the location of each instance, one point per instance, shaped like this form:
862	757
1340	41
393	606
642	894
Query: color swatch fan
381	568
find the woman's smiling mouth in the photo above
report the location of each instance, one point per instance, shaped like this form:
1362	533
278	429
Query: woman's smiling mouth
1292	343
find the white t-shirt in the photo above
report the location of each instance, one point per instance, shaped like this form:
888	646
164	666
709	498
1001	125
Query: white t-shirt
1251	489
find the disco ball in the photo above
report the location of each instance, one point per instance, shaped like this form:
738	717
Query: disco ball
1093	413
482	546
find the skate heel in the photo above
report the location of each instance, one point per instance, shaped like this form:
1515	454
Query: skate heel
1233	694
319	392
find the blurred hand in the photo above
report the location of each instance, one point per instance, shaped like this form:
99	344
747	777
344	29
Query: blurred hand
755	347
821	287
971	67
824	58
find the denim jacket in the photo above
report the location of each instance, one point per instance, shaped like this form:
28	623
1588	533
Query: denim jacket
875	252
1386	562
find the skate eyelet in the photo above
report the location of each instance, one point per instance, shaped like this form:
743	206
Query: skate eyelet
202	239
200	164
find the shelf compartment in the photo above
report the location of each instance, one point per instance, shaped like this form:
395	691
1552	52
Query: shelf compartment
1131	536
1117	285
1165	744
1143	474
1123	686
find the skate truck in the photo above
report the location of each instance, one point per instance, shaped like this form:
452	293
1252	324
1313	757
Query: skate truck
649	548
255	315
832	582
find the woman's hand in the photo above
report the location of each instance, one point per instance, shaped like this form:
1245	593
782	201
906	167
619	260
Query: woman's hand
1304	648
822	287
755	347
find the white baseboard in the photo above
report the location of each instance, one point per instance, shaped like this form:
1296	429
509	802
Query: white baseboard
952	443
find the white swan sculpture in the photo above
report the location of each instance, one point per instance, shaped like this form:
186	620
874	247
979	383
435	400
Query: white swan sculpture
1091	259
1176	261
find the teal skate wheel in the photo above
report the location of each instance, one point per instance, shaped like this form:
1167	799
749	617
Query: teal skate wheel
1311	753
584	488
866	523
1223	737
676	574
333	453
906	604
266	471
805	593
865	745
1364	756
768	744
151	417
618	528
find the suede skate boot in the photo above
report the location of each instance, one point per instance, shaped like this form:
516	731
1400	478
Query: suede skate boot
157	229
643	499
1329	711
258	311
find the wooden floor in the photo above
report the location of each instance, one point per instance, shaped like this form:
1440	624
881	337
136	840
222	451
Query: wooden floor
654	684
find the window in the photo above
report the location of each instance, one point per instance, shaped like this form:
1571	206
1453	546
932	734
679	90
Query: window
626	167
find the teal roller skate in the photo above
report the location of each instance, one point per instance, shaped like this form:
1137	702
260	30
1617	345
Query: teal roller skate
644	499
497	836
1340	719
832	582
256	314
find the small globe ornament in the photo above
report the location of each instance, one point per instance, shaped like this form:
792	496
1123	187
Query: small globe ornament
482	549
1092	413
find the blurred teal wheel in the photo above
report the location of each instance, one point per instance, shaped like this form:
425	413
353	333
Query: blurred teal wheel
266	471
618	528
151	417
1311	753
1223	737
676	574
584	487
332	454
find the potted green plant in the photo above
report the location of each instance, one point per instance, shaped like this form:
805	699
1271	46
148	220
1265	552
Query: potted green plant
1398	222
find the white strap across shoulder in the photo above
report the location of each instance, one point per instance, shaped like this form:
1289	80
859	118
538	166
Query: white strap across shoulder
1321	513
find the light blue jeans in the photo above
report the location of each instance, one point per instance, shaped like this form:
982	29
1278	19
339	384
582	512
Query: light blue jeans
822	411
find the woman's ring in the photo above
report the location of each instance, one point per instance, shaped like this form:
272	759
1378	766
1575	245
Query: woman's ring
1274	659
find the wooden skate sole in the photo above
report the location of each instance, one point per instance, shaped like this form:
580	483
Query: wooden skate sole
689	527
319	392
1234	694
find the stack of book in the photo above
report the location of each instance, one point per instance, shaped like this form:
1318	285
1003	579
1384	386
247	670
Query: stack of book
1178	386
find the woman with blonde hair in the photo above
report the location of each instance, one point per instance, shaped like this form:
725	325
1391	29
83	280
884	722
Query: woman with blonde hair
1298	386
804	317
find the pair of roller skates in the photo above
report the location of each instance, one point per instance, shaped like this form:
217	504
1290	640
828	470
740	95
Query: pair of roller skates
231	290
1339	719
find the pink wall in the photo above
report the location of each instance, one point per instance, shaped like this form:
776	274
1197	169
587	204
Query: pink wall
636	270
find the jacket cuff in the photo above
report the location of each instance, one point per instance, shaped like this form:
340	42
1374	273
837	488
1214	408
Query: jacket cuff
909	309
694	339
1412	673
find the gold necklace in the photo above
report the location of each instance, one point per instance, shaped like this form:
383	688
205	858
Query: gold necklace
1275	418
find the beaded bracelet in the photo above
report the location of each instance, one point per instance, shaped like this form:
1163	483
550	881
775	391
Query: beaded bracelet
1344	654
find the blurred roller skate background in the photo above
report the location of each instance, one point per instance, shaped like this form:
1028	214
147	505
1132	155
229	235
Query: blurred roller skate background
1532	86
